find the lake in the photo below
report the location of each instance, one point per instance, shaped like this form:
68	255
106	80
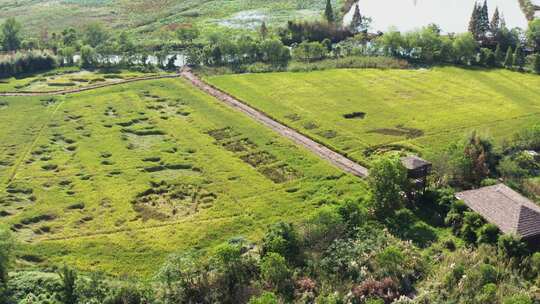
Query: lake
450	15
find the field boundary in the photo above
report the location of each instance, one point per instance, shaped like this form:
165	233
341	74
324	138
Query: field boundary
319	149
87	88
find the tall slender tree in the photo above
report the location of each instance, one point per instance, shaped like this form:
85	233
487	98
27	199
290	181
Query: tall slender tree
329	12
519	58
509	59
356	22
495	22
263	30
473	23
483	25
498	54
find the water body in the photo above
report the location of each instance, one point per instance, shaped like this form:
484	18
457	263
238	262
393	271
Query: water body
450	15
180	59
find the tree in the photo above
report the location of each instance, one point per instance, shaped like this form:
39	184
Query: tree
495	21
69	277
478	159
498	54
533	33
483	25
275	53
509	59
356	22
88	57
6	256
11	39
329	12
69	36
387	179
187	34
519	58
263	30
95	34
474	21
488	234
464	46
536	63
276	273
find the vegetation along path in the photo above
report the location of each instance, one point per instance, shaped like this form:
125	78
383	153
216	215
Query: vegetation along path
335	158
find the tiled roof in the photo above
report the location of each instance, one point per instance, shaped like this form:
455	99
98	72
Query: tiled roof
505	208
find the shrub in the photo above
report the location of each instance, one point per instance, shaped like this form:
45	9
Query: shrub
283	239
26	62
276	273
518	299
512	246
265	298
488	234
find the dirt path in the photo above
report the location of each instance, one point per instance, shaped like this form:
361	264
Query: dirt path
322	151
87	88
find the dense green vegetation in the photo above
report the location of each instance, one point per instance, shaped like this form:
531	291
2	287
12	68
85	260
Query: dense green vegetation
153	192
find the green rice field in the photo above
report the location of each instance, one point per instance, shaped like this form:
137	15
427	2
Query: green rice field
115	179
362	112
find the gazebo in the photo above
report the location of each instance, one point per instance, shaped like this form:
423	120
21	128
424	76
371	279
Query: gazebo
418	170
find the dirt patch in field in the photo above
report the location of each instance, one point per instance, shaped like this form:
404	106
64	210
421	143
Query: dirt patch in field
399	131
251	154
355	115
293	117
166	201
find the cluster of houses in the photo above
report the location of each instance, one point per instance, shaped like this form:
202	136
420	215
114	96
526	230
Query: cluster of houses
510	211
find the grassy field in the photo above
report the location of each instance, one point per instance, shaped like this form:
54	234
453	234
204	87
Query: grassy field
143	16
65	78
115	179
361	112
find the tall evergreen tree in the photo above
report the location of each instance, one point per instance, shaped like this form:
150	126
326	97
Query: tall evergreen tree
329	12
495	21
519	58
356	23
509	60
483	25
473	23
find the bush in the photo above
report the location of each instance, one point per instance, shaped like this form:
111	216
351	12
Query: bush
265	298
512	246
26	62
353	62
518	299
283	239
488	234
276	273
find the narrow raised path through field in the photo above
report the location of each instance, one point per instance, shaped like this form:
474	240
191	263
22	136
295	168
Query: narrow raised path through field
322	151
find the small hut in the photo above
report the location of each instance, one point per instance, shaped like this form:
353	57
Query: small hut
507	209
418	170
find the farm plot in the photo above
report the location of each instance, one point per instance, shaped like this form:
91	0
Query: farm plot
363	112
115	179
65	79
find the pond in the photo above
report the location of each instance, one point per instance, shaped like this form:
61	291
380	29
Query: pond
450	15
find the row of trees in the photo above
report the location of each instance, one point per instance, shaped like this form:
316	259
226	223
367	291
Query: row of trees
26	62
